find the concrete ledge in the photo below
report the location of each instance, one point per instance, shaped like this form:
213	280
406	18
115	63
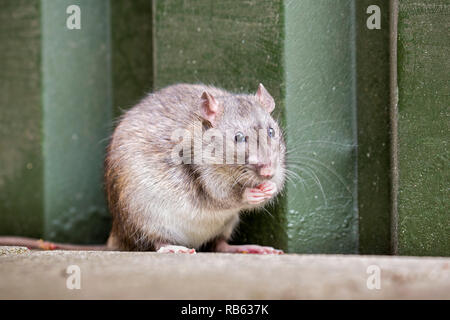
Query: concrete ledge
145	275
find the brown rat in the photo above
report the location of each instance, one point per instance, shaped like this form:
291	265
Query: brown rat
160	204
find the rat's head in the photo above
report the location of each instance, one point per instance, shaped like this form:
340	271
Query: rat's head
246	124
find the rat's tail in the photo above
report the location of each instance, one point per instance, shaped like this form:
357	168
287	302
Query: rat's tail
31	243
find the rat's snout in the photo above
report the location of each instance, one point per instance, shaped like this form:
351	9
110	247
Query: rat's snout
265	170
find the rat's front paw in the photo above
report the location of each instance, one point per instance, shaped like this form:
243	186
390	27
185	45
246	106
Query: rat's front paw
260	193
269	188
175	249
253	196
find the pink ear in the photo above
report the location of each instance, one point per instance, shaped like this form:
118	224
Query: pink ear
210	108
265	99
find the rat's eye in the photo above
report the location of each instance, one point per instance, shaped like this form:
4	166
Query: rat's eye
239	137
271	132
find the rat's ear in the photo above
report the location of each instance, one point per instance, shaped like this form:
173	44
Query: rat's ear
211	109
265	99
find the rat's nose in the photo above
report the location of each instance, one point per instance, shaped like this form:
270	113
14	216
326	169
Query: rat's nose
265	170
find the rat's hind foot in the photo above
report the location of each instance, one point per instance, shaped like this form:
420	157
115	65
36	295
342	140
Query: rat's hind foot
175	249
246	248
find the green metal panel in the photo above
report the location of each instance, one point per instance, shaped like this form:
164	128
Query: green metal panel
77	111
373	93
321	119
234	45
132	52
21	163
56	108
423	128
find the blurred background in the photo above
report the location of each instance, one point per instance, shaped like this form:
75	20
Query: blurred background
365	110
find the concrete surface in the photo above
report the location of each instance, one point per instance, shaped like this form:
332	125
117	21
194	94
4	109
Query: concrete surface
145	275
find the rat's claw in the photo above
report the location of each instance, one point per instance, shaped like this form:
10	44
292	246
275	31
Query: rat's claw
175	249
254	196
249	248
271	250
269	188
263	250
